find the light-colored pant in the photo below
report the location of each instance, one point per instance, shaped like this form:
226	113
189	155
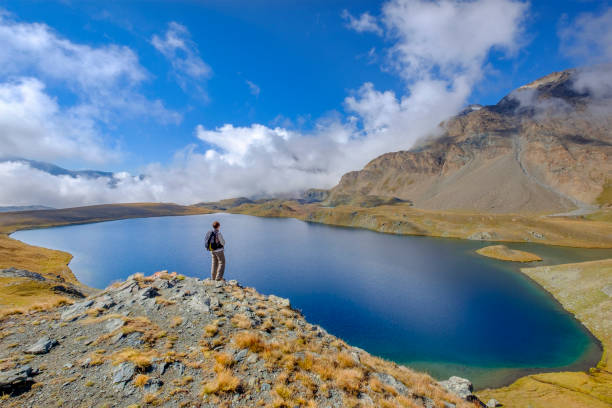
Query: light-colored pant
218	265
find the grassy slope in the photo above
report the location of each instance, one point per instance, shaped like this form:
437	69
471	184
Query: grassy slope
52	264
404	219
579	288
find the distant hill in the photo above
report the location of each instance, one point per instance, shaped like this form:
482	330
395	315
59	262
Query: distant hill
546	147
24	208
59	171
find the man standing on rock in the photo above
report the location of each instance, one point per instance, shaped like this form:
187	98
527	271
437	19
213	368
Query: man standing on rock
215	244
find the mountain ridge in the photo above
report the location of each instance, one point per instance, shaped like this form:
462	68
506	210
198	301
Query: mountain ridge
545	147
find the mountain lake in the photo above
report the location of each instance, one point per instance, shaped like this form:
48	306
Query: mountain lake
430	303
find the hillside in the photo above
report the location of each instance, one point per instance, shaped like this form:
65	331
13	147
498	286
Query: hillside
183	342
546	147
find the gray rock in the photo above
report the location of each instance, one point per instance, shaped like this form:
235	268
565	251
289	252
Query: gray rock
280	301
482	236
123	373
178	367
104	302
461	387
77	309
200	304
134	339
163	284
42	346
20	273
265	387
149	292
214	302
240	355
153	385
16	377
162	367
365	399
492	403
536	234
113	324
389	380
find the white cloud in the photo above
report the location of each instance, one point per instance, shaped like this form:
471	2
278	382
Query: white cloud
254	88
449	37
182	52
439	49
32	124
103	81
104	78
22	184
365	23
588	39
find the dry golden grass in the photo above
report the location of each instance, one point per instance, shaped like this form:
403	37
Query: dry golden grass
164	302
249	340
150	331
48	304
345	360
224	382
141	380
349	379
241	321
211	330
176	321
183	381
151	399
224	360
403	219
140	358
179	390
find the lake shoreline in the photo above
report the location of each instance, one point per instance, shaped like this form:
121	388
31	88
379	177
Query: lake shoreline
4	228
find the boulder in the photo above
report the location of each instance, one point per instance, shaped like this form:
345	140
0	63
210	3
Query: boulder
493	403
389	380
461	387
42	346
123	373
76	310
16	377
200	304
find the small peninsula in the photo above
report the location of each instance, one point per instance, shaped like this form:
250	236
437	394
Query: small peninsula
503	253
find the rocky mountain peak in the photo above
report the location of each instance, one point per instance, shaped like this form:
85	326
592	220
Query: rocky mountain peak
545	147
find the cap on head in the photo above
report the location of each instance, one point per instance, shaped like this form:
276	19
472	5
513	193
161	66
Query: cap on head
216	224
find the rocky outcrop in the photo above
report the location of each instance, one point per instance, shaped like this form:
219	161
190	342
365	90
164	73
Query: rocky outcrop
546	147
168	340
42	346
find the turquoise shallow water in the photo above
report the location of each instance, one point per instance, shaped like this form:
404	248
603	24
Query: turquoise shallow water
429	303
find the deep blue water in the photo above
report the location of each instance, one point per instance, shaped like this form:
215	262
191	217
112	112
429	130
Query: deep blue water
429	303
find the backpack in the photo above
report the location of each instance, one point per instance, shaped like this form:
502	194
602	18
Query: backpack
212	241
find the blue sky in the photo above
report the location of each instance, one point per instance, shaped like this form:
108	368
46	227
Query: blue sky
304	79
